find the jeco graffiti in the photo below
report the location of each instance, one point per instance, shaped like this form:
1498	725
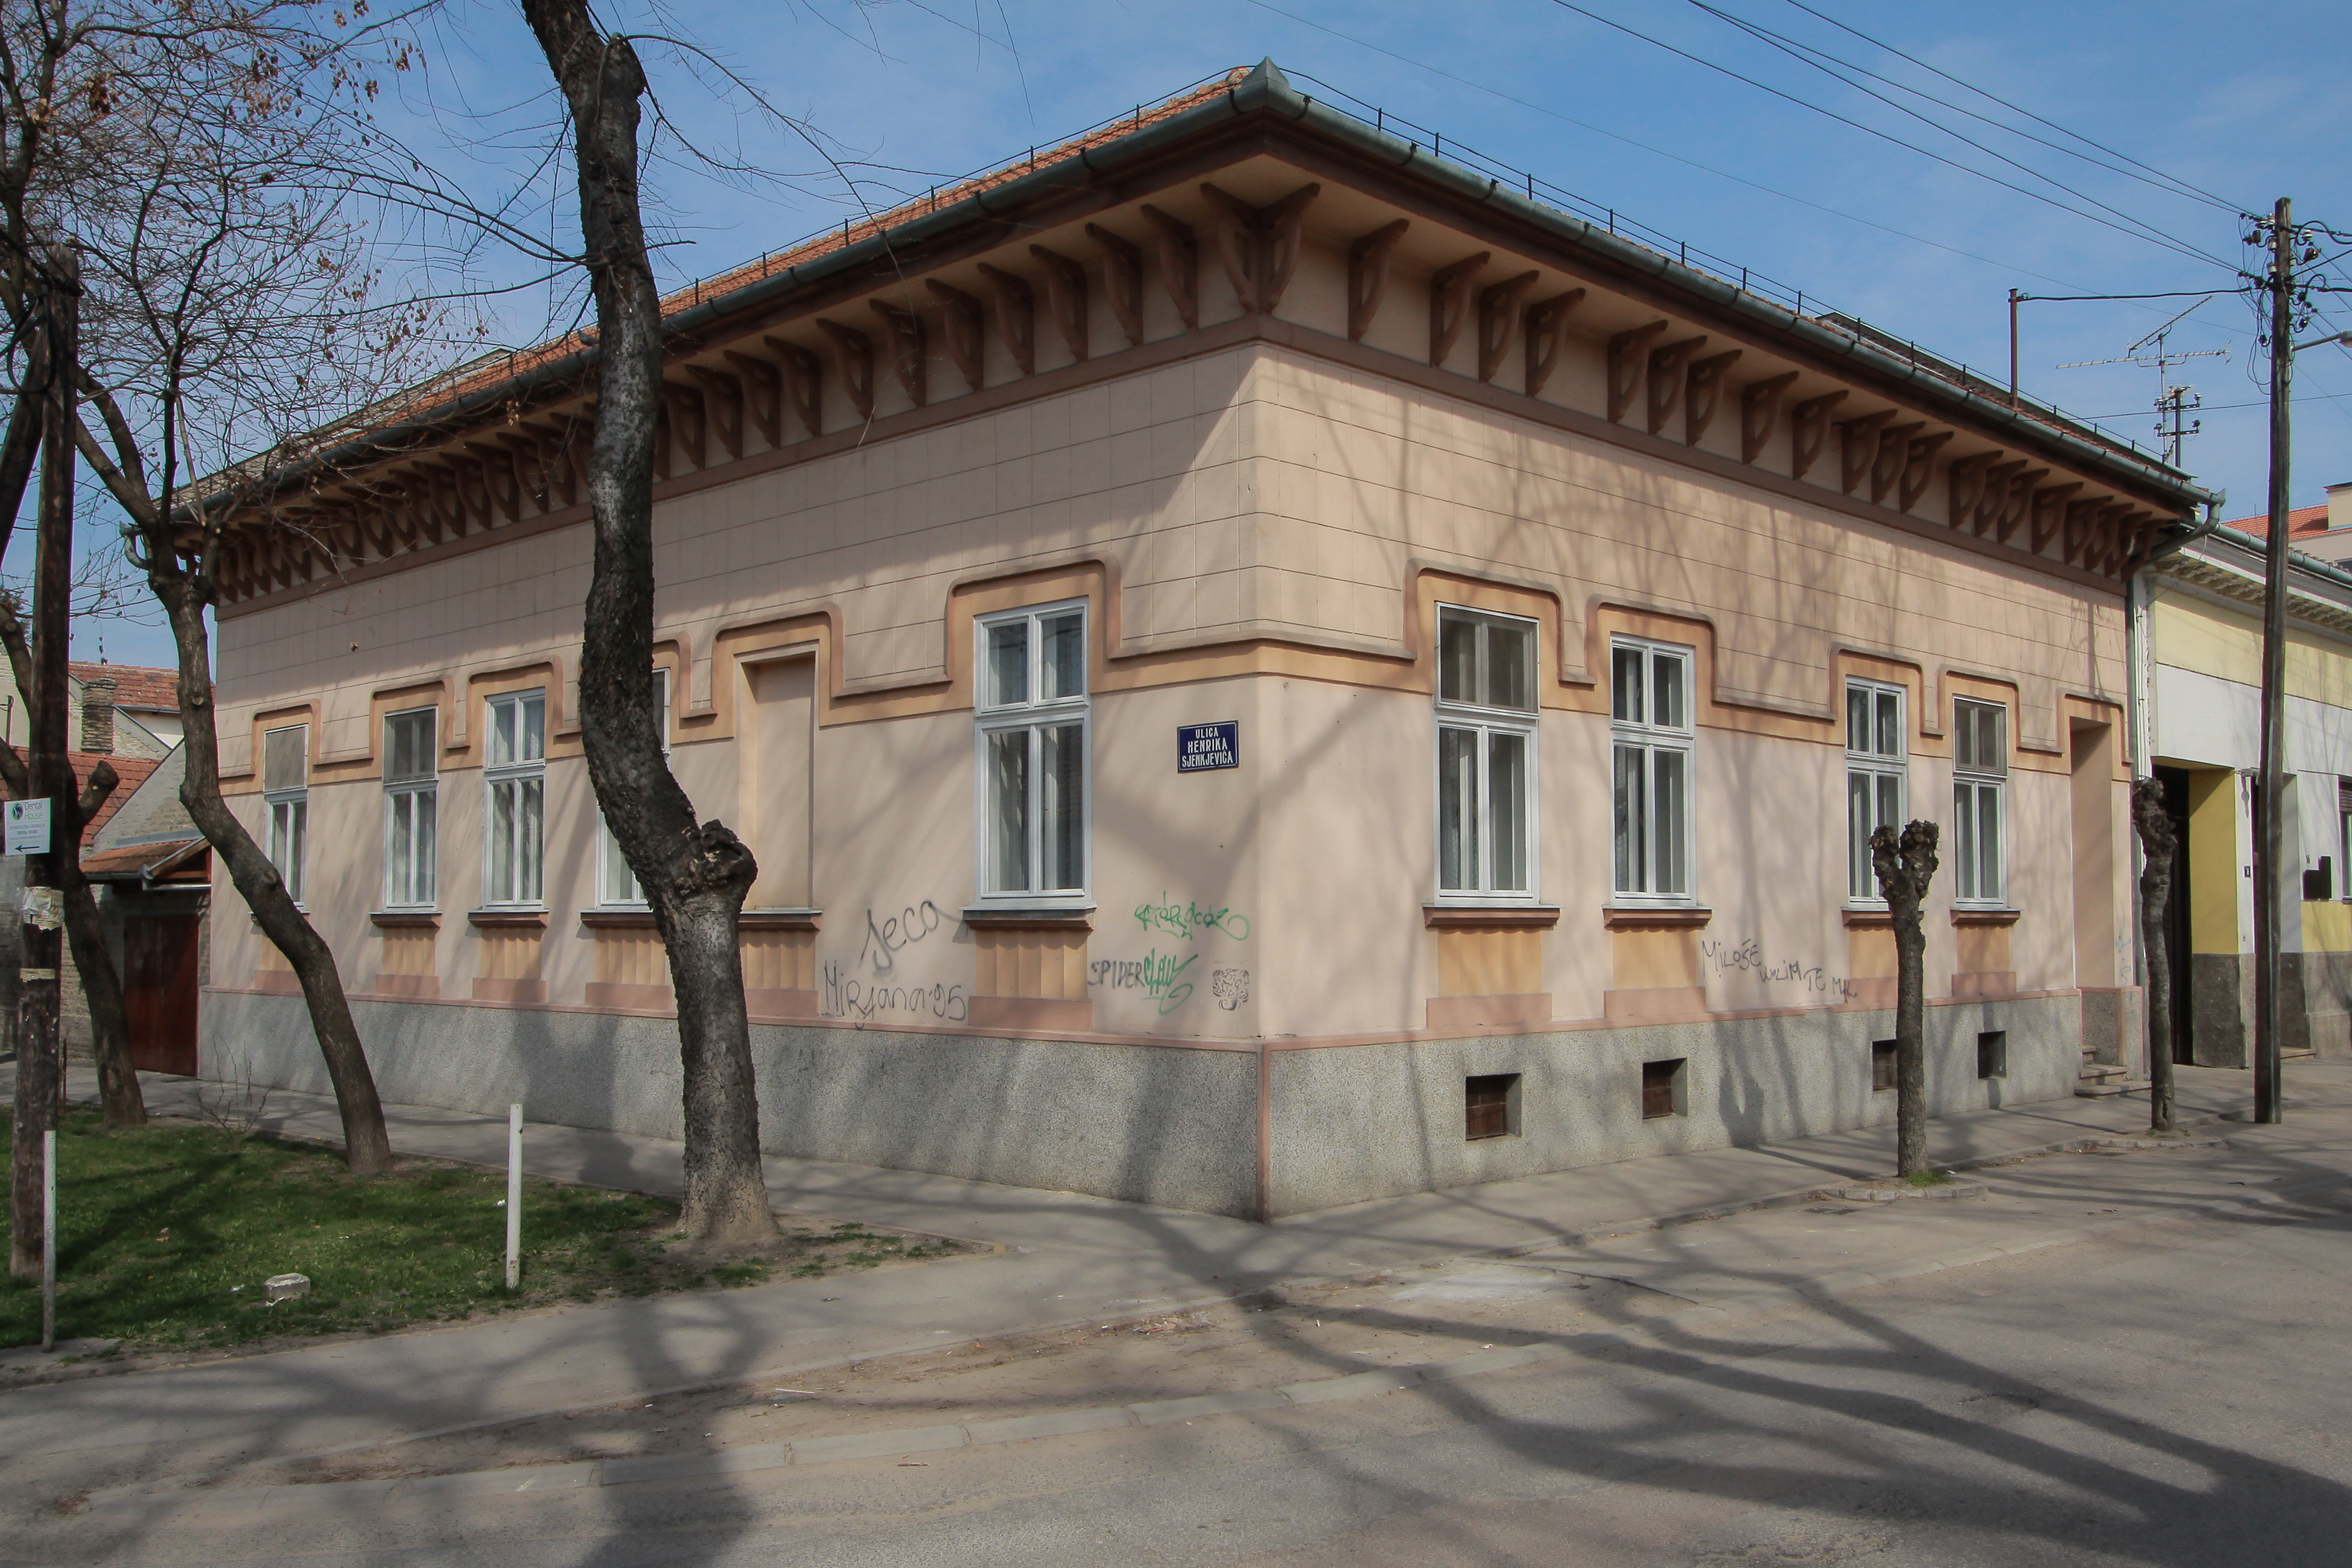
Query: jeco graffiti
846	997
1188	919
887	938
1156	975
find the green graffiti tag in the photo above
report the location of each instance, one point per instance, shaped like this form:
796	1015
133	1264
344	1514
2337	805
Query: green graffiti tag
1188	919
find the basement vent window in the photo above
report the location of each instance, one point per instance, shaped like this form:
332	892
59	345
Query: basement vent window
1662	1089
1882	1065
1490	1104
1992	1053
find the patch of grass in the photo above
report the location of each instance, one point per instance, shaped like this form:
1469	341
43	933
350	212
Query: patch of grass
166	1233
1930	1178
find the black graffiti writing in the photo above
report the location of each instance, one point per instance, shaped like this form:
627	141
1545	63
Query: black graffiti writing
846	998
886	939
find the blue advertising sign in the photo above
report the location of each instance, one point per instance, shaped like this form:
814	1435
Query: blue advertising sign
1200	747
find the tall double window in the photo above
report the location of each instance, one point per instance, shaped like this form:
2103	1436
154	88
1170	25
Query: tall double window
1032	708
286	793
514	771
412	797
1876	755
616	883
1979	784
1650	747
1485	755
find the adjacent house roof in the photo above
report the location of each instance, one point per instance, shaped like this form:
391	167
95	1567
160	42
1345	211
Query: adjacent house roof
139	687
177	861
131	771
2301	523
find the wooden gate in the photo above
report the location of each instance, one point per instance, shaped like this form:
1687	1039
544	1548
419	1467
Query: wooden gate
159	991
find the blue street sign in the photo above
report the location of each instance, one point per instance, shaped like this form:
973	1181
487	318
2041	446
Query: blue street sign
1200	747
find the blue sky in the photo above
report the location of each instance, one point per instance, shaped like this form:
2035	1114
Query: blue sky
2243	102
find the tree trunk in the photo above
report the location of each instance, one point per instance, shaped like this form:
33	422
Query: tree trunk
367	1148
1904	866
2157	846
695	876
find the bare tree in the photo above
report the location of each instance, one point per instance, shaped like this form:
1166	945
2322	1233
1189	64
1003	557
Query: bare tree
2159	845
695	875
1904	866
199	154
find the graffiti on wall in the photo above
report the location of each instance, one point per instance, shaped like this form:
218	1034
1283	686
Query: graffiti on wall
1187	920
843	995
1745	956
1157	975
886	939
1230	986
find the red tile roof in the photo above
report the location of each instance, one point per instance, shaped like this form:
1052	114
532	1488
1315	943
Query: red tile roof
181	861
135	685
131	771
495	370
2301	523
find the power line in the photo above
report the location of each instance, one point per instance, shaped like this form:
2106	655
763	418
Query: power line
2183	186
2154	237
1645	147
1805	54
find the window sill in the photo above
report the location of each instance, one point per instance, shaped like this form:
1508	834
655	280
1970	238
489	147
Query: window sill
778	919
510	917
1869	919
627	919
1443	917
1033	917
1655	916
429	919
1986	917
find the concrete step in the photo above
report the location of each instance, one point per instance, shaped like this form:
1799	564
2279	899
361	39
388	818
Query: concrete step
2101	1090
2101	1073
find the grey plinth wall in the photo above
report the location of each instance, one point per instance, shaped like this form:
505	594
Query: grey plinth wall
1168	1125
1152	1124
1362	1122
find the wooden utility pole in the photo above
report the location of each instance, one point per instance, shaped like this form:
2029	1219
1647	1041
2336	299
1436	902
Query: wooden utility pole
2270	827
40	1057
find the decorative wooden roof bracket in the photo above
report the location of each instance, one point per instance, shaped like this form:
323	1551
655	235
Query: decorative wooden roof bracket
1368	276
1628	352
1759	413
1122	281
2018	504
1065	297
1259	246
854	351
1858	447
1888	468
1667	364
2049	506
1809	430
501	486
690	421
763	395
1016	315
723	400
1703	392
967	331
803	377
1546	336
1966	481
1994	500
662	436
1499	313
1180	264
1450	290
910	360
1919	468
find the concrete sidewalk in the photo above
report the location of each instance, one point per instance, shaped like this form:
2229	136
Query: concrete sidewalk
1067	1257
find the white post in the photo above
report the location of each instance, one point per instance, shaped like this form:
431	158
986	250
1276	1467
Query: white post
49	1239
514	1195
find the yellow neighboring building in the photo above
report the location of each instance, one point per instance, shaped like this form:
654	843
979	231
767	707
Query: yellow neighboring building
2200	610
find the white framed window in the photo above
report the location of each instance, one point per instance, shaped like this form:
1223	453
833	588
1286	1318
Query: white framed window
2343	840
1980	787
617	884
286	794
412	801
514	773
1878	757
1485	755
1650	768
1032	710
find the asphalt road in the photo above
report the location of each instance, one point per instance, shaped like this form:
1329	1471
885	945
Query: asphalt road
2171	1393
